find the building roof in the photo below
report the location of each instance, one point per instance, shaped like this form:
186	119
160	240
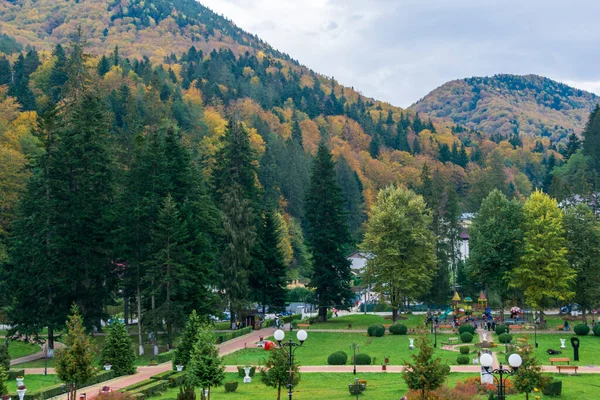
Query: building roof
359	259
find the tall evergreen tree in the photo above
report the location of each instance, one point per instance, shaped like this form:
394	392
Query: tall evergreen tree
402	138
591	138
103	66
296	131
117	350
5	71
328	236
374	146
58	75
573	145
351	187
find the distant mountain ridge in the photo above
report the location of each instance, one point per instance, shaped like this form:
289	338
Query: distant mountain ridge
506	104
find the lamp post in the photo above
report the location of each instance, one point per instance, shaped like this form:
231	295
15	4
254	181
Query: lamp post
354	347
506	343
434	334
535	329
291	349
487	361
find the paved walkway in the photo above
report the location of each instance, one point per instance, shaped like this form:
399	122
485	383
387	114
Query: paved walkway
34	356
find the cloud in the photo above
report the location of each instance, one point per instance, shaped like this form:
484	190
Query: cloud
399	50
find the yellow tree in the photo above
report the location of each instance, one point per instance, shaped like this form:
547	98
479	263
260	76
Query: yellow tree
543	273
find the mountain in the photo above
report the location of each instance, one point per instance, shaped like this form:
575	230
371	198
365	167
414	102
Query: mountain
506	104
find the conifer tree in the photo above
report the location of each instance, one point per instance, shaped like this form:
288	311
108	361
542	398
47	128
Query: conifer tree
3	380
328	236
353	197
573	145
402	138
206	370
183	352
103	66
58	75
530	375
416	147
296	131
425	373
5	71
374	146
117	350
591	138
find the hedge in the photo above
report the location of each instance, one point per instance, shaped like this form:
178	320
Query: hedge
13	373
500	329
337	358
138	385
398	329
56	390
151	389
177	379
554	388
581	329
466	328
376	330
165	357
242	373
231	387
363	359
596	330
224	337
163	376
466	337
505	338
462	359
290	318
464	349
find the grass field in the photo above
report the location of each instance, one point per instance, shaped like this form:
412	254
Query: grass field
18	349
380	386
33	382
320	345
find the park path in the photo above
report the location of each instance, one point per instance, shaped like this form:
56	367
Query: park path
35	356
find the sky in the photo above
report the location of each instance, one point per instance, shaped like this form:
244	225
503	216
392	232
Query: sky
400	50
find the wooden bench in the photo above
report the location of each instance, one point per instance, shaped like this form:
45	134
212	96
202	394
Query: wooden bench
560	327
305	326
515	327
560	359
444	327
567	367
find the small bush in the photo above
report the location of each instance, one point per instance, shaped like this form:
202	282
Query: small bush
554	388
466	337
466	328
363	359
398	329
505	338
465	349
377	330
500	329
597	329
231	387
337	358
462	359
581	329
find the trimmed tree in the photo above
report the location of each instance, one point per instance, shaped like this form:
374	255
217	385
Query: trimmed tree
3	379
118	350
4	357
276	373
187	340
398	235
74	364
543	272
206	369
530	375
425	373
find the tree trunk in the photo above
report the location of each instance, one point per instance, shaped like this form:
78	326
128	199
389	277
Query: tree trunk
502	312
322	313
394	314
139	316
583	315
423	394
279	391
126	310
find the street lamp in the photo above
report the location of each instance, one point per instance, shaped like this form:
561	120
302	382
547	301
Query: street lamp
354	347
434	334
535	322
291	349
487	361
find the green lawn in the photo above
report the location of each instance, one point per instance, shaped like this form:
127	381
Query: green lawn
379	386
18	349
33	382
589	349
363	321
320	345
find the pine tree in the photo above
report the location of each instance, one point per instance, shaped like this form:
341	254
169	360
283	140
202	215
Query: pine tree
353	198
425	373
296	131
183	352
573	145
374	146
206	369
445	154
117	350
402	138
328	236
58	75
530	375
416	147
74	364
591	138
5	71
170	261
103	66
4	359
463	158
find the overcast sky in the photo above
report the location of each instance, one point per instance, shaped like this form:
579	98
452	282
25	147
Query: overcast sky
400	50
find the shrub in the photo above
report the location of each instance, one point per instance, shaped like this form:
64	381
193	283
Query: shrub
242	373
462	359
465	349
363	359
377	330
466	337
597	329
500	329
466	328
554	388
337	358
505	338
231	387
187	393
581	329
163	376
398	329
4	357
177	379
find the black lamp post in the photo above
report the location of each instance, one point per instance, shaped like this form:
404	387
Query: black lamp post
506	351
290	347
486	362
434	334
535	322
354	347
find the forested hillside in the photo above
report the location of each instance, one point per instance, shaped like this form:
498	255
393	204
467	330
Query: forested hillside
158	152
507	104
